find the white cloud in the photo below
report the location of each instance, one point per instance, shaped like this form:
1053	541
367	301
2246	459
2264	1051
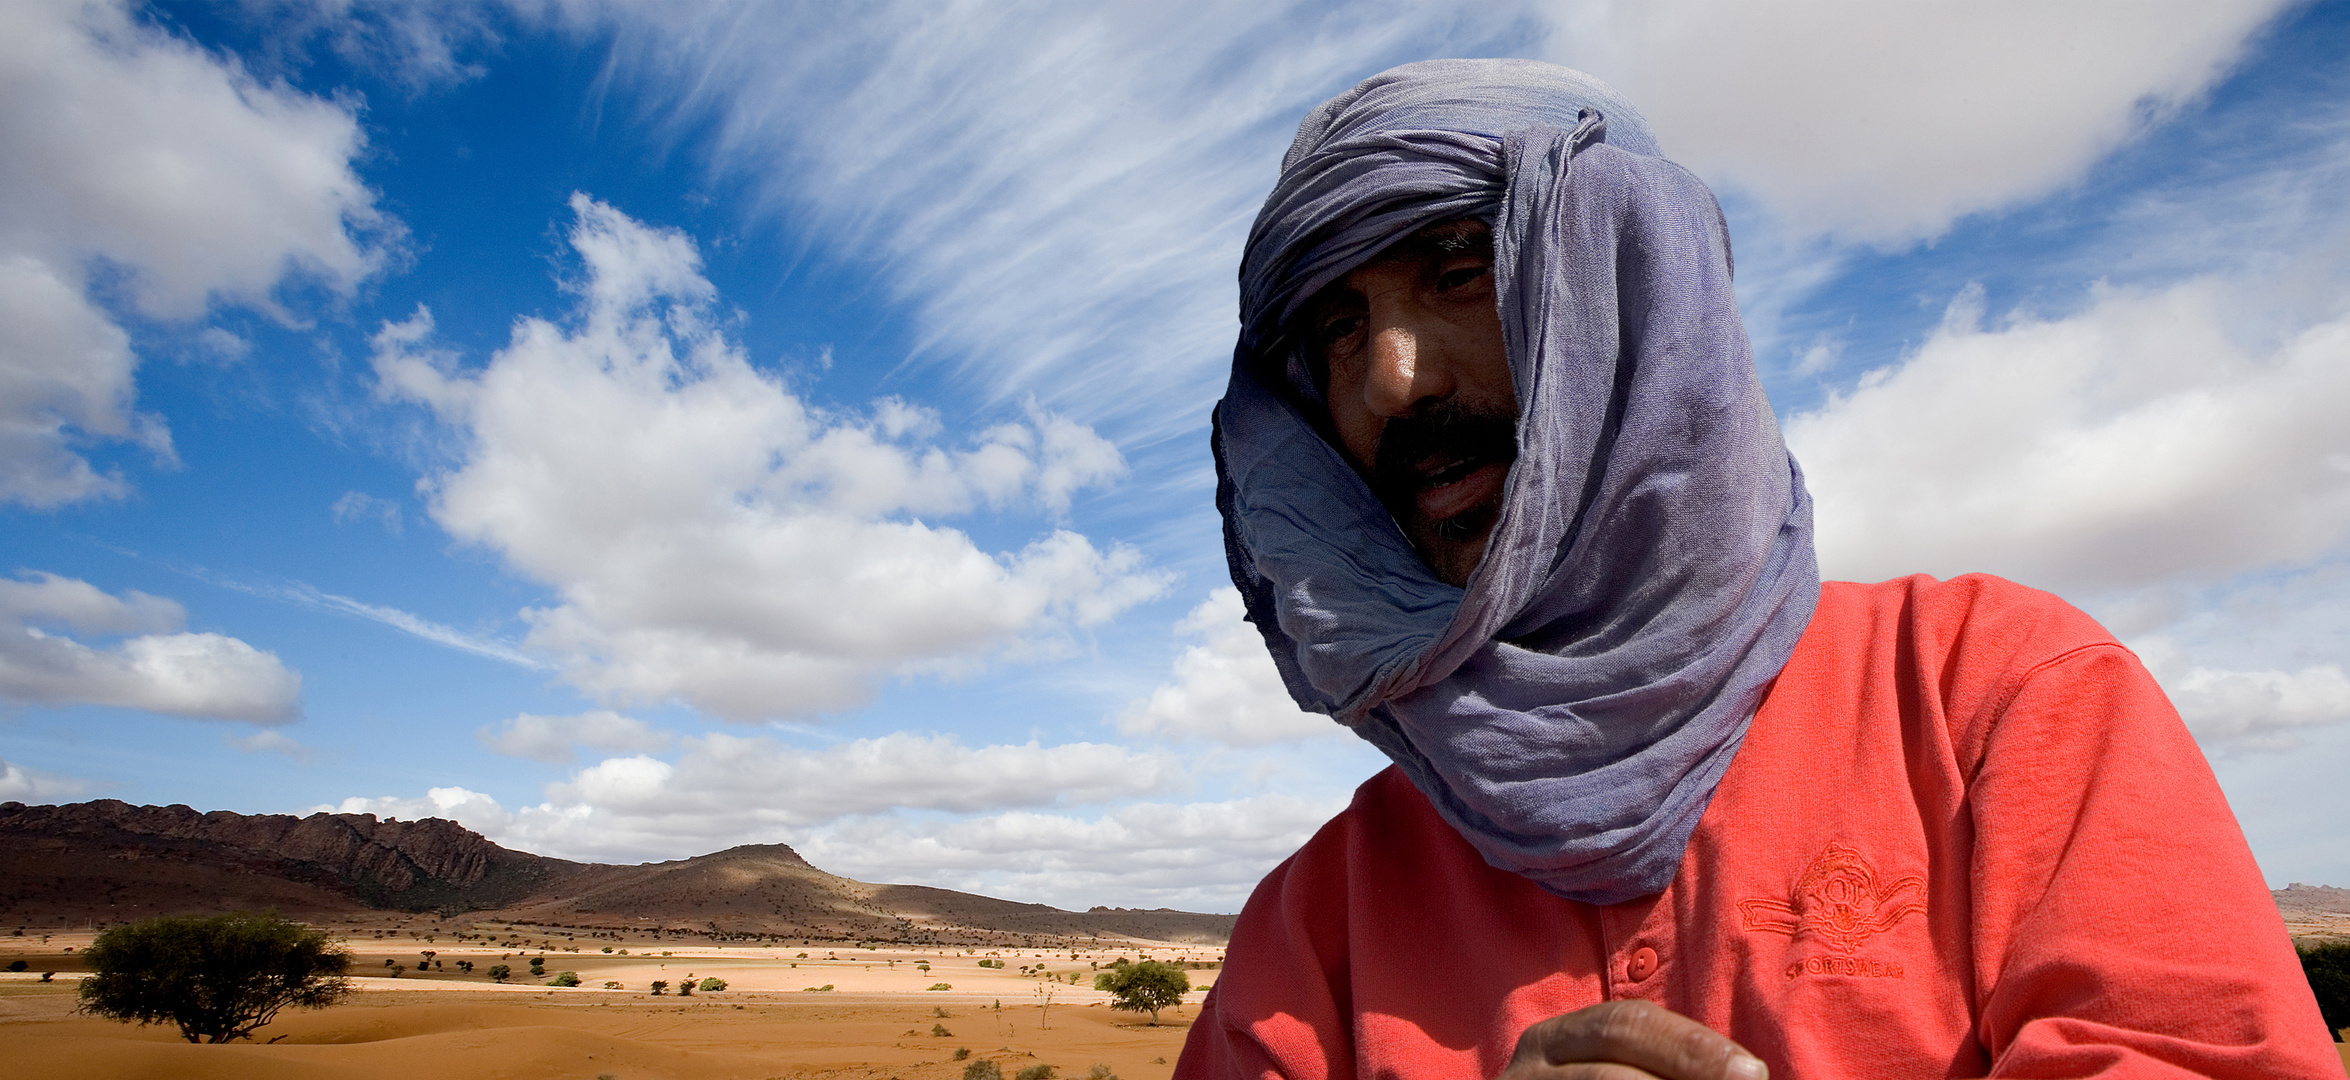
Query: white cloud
551	738
1190	856
20	784
1225	689
186	179
722	790
200	675
714	538
2260	706
273	741
2134	443
1886	122
1060	190
359	505
65	377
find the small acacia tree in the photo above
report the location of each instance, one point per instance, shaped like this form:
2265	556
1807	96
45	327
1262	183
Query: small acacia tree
1145	987
217	977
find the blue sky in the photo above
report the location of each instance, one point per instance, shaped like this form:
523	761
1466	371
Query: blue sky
636	430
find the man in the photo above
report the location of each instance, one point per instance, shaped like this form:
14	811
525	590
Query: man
1502	492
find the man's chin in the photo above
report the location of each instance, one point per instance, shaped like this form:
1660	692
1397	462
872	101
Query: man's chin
1452	548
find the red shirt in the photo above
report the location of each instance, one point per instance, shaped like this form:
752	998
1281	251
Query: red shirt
1966	836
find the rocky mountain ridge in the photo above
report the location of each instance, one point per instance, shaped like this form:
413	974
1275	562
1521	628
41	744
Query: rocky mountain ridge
108	860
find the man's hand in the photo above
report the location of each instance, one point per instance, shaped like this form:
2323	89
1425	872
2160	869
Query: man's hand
1628	1040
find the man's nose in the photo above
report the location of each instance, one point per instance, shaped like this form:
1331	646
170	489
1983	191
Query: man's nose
1405	370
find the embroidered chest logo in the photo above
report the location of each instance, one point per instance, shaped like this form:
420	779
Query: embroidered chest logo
1839	902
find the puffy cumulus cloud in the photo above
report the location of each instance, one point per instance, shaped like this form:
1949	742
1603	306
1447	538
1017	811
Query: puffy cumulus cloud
21	784
471	809
2138	442
551	738
190	181
152	668
721	790
714	538
1224	689
65	376
1886	122
1193	856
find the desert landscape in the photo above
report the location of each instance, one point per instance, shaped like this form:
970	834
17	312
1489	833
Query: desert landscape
823	976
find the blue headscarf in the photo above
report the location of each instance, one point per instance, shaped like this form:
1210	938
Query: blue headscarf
1571	709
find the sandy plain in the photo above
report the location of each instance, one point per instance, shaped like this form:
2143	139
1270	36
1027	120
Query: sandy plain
879	1021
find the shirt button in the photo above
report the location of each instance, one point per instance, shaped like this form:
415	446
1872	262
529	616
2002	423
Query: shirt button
1642	964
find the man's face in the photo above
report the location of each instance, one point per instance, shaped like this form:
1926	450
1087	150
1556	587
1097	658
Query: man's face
1418	382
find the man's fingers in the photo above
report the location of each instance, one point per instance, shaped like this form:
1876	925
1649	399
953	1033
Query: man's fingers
1639	1034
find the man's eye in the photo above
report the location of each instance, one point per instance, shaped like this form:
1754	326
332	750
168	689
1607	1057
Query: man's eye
1337	328
1457	278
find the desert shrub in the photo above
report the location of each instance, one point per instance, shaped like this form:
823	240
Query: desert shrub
607	948
1100	1071
922	965
824	989
1145	987
2327	967
217	977
564	978
660	987
1036	1072
18	965
465	967
713	983
685	988
48	975
942	986
538	966
500	972
939	1011
612	985
983	1069
939	1031
802	956
962	1052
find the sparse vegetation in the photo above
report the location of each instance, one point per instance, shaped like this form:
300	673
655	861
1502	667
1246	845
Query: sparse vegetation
1036	1072
564	978
939	1031
217	977
942	986
2327	967
1100	1071
660	987
962	1052
713	983
983	1069
824	989
1145	987
612	984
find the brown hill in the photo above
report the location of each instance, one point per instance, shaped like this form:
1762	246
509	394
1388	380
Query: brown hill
109	861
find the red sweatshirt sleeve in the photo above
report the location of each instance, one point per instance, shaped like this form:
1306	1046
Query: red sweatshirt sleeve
2122	928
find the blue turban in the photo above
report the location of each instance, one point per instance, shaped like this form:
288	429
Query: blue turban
1571	709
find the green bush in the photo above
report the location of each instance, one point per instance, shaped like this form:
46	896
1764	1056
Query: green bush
500	972
217	977
1145	987
942	986
824	989
713	983
564	978
939	1031
1036	1072
982	1069
1100	1071
2327	967
17	965
962	1052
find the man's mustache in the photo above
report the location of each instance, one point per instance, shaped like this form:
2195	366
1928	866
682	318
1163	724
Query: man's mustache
1442	430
